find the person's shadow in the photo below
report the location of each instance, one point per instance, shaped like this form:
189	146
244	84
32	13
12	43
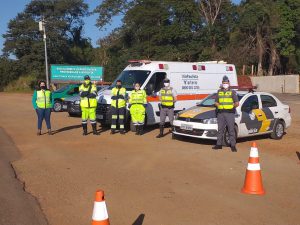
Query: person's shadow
66	129
139	220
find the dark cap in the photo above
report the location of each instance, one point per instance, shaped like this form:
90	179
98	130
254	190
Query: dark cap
166	80
225	79
119	81
87	77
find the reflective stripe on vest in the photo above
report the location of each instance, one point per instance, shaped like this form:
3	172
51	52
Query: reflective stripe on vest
43	99
138	97
167	98
225	100
88	102
121	101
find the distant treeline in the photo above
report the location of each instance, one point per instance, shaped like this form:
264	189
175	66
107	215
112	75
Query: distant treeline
263	33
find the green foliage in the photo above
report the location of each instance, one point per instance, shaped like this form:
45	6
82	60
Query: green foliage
22	84
65	42
255	32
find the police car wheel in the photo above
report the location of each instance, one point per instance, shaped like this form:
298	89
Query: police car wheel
278	130
57	106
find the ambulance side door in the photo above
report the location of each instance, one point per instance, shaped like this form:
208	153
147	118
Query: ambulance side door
152	88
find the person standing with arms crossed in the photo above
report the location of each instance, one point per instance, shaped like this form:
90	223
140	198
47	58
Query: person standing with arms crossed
88	104
42	103
167	97
138	104
118	107
226	102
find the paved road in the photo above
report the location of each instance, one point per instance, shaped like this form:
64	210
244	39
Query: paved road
149	181
16	206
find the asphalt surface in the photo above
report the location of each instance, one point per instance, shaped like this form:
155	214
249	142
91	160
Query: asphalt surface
16	206
149	181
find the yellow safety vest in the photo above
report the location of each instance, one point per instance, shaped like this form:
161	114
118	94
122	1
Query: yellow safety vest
118	97
85	101
43	99
167	98
225	100
138	97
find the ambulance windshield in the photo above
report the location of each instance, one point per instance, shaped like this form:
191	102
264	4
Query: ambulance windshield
130	77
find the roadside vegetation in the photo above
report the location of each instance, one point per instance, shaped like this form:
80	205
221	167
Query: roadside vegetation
262	33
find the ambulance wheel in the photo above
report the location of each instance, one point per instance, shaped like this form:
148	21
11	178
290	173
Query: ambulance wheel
226	141
278	130
132	127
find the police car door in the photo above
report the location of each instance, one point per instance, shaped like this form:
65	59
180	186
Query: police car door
250	118
270	111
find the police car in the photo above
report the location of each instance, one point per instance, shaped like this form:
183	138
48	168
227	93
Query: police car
258	113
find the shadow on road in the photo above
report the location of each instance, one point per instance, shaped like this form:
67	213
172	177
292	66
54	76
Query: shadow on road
139	220
298	155
66	129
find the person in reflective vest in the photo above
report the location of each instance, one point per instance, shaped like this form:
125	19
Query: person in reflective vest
88	104
118	107
226	102
42	103
167	97
138	104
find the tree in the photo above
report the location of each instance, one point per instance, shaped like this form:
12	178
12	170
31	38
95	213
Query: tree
64	26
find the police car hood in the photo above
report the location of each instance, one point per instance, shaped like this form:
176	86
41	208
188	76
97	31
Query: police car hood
199	112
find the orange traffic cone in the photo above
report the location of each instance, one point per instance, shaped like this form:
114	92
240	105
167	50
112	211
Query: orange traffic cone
100	215
253	181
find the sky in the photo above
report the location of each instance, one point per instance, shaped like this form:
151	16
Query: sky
11	8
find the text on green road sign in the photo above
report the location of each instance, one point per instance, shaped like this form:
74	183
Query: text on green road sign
75	73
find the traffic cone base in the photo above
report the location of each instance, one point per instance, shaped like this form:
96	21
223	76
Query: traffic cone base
253	183
100	215
253	180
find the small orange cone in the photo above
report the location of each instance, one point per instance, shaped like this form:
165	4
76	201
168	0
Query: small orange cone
100	215
253	181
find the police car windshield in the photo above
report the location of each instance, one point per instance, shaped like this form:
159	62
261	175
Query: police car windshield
130	77
210	100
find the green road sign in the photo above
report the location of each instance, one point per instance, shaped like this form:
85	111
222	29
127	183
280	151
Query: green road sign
72	73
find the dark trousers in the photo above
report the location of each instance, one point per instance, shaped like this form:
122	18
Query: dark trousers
43	114
164	112
226	119
115	114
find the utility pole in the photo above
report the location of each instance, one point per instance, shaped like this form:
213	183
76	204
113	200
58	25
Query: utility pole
42	27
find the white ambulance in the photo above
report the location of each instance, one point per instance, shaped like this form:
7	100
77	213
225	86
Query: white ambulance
193	81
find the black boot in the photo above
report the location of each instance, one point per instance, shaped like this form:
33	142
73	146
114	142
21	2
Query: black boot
141	129
84	127
137	129
94	126
161	132
217	147
233	149
112	131
122	131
